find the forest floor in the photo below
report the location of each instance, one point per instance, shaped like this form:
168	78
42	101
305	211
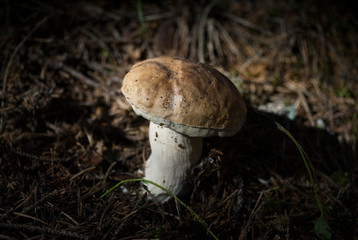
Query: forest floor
67	134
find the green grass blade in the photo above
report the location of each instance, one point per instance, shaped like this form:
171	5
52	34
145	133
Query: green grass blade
168	192
140	16
321	227
305	160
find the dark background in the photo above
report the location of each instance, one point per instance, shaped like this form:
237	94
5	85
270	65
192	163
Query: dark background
67	134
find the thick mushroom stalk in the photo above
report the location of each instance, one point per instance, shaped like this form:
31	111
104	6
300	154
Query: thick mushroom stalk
170	163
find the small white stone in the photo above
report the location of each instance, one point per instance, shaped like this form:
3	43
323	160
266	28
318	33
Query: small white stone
320	123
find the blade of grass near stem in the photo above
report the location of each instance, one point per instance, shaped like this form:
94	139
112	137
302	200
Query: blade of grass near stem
170	193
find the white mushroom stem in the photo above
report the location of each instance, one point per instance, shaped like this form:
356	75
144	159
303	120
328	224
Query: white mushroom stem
172	158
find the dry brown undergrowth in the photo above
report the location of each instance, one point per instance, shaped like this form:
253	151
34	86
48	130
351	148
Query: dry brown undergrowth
67	134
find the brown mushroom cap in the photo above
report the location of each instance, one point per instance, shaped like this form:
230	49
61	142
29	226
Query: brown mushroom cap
189	98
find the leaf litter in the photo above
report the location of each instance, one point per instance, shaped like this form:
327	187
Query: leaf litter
67	134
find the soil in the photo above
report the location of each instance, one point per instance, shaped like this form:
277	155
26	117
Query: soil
67	135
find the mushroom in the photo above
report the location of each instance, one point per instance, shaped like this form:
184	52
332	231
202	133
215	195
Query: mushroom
184	102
